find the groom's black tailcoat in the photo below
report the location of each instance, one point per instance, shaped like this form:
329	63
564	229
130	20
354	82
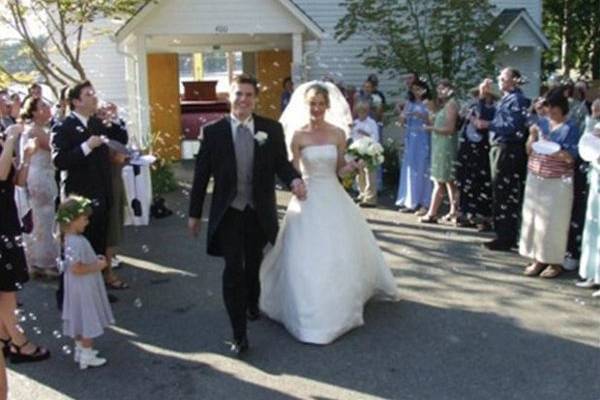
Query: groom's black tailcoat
217	158
239	236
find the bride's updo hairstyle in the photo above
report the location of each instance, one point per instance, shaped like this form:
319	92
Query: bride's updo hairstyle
318	89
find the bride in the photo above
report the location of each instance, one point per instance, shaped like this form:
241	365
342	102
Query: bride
325	264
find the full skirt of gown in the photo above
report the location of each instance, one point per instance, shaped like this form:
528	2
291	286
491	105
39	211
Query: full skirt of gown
325	264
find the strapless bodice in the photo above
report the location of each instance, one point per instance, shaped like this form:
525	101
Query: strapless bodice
319	162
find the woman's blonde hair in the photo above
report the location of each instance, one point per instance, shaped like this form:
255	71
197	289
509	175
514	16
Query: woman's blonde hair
318	89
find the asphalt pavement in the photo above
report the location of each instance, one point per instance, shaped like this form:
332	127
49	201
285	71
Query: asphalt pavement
469	325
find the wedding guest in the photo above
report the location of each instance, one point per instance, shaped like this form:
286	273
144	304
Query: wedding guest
371	95
60	114
80	152
288	89
116	214
508	160
34	91
350	94
377	102
13	265
365	126
414	188
444	147
549	188
536	112
376	92
578	106
61	107
15	106
473	172
589	149
42	248
409	80
594	118
5	118
580	180
85	311
589	267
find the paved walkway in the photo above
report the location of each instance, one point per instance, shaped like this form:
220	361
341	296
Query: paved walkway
469	326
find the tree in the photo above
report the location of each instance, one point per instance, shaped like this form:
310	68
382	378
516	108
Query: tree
54	29
573	28
453	39
15	63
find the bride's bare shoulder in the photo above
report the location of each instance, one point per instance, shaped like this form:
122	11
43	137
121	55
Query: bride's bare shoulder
336	132
299	136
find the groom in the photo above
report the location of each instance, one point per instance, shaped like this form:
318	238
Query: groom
242	152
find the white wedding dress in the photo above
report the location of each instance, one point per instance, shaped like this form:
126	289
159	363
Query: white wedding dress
325	264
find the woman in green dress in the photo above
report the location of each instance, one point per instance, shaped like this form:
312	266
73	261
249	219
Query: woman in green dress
444	149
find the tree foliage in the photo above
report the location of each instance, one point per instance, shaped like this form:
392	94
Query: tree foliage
573	29
50	30
451	39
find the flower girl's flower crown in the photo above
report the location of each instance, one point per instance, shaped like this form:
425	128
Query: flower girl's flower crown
73	207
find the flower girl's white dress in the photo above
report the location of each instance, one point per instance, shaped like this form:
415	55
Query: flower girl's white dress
325	264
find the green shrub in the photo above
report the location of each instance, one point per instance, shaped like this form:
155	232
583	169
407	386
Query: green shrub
163	178
391	163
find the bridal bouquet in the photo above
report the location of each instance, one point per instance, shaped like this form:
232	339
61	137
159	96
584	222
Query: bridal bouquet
365	150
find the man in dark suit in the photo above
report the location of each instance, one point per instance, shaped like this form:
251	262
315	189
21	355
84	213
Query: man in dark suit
79	151
242	152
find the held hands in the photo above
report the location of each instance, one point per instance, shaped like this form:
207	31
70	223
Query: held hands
299	189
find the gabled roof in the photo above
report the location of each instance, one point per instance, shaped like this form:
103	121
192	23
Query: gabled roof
509	17
146	8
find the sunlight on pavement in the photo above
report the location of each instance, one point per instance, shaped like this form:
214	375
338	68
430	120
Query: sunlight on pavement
288	385
150	266
24	387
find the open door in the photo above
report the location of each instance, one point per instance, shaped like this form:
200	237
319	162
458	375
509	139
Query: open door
165	109
272	67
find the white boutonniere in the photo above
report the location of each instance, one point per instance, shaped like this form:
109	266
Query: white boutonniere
261	137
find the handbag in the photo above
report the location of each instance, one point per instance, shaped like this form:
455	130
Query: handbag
27	222
136	204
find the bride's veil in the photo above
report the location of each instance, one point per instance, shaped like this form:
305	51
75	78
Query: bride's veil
297	114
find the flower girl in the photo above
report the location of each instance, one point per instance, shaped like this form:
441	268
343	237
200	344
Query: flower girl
86	311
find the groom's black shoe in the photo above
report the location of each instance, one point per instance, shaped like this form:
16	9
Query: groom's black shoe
253	314
239	347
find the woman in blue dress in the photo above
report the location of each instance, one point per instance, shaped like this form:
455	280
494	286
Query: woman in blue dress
414	189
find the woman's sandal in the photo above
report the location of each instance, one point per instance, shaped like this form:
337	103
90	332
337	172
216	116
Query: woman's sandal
534	269
452	218
17	357
551	271
117	284
428	219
